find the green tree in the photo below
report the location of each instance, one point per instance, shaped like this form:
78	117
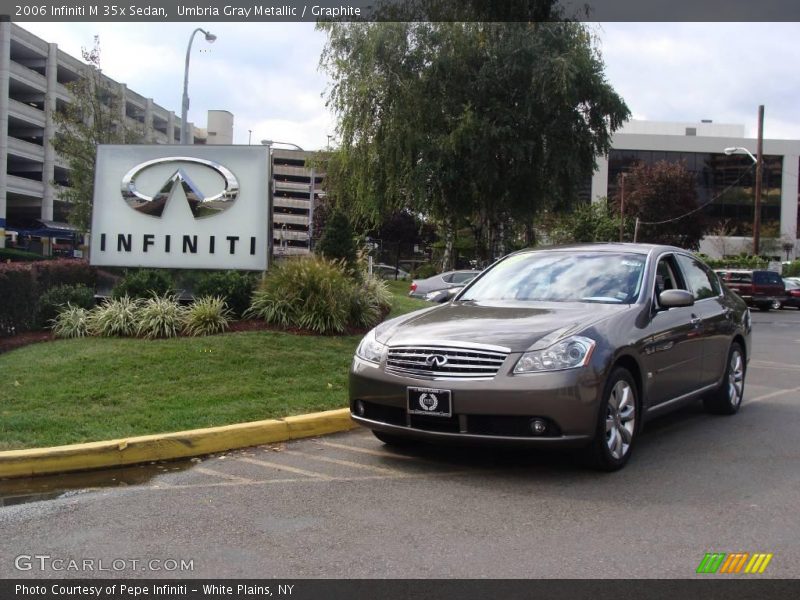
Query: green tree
663	196
466	122
91	117
338	241
594	222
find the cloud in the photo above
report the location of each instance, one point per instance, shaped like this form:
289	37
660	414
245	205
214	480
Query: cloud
719	71
266	73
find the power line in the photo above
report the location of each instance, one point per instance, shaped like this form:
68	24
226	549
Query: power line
702	206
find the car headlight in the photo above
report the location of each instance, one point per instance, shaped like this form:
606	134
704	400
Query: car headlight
370	349
569	354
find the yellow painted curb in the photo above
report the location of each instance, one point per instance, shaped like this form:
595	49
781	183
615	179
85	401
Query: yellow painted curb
182	444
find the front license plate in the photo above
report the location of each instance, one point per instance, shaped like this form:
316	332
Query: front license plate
431	402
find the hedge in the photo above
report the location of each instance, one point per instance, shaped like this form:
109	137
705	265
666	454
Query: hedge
21	285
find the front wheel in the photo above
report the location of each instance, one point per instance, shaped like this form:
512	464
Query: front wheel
617	424
727	398
776	305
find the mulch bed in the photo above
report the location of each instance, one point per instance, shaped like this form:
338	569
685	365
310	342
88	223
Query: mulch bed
23	339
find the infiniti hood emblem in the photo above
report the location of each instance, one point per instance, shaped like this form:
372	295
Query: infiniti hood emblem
201	204
438	360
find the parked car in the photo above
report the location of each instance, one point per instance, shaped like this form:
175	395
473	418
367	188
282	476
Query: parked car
421	287
389	272
572	346
763	289
792	294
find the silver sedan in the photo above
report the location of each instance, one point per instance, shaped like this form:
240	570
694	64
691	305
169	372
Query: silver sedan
443	281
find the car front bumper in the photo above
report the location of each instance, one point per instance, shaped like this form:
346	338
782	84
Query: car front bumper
499	409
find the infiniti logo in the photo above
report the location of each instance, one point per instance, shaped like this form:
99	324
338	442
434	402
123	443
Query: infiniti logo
437	360
202	205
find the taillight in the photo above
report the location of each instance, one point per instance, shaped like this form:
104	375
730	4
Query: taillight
413	286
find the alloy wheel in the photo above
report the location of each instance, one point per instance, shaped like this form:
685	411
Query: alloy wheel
735	378
620	419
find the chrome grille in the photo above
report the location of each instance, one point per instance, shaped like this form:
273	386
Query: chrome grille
426	361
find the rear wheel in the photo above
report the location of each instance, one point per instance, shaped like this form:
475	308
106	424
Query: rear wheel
776	305
390	439
617	424
727	398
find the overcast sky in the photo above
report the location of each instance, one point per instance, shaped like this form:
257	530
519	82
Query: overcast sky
267	74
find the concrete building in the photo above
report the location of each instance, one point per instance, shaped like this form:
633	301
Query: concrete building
724	181
296	189
33	85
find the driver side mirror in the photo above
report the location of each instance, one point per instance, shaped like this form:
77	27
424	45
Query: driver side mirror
675	298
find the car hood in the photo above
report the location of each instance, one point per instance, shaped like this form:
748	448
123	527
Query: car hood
513	325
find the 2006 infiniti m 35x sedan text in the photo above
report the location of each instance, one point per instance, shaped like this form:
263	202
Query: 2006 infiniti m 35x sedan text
573	346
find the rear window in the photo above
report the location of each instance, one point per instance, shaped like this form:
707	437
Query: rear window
767	278
739	277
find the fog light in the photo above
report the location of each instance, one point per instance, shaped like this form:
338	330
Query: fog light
359	408
538	427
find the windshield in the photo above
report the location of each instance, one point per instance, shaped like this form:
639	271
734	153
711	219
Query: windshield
563	276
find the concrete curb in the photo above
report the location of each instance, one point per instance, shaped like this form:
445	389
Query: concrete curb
182	444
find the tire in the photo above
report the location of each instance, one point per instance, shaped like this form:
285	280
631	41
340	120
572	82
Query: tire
618	423
391	439
727	398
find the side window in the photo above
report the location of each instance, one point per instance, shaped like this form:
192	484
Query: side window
447	278
462	277
702	283
667	276
775	279
760	278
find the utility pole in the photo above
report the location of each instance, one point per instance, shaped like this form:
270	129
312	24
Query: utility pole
759	175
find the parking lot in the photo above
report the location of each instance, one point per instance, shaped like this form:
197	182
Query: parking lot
347	506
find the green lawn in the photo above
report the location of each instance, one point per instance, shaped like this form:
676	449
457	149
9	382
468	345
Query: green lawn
93	389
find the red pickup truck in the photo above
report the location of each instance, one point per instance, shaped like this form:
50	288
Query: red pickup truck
762	289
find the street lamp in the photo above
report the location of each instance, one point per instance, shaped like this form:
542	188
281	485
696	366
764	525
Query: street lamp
271	143
757	193
730	151
210	37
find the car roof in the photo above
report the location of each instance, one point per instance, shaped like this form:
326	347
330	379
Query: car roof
608	247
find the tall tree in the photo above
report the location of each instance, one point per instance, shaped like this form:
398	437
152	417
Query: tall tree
483	123
663	196
92	117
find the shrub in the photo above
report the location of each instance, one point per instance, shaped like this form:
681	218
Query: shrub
71	322
53	300
116	317
143	283
234	287
425	271
311	293
369	302
160	317
21	284
318	295
792	269
16	255
206	315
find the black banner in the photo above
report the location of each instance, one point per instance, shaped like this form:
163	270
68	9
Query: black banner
402	10
734	588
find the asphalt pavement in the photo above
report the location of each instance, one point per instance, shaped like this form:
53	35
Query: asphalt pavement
346	506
